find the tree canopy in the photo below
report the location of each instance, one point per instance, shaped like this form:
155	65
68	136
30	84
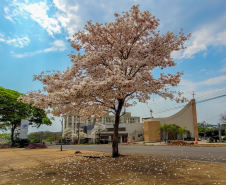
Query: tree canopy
116	67
13	111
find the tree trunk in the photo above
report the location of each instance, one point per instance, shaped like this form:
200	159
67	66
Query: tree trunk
14	125
115	135
12	135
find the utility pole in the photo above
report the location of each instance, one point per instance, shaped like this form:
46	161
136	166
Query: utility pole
151	113
78	129
204	125
219	131
193	95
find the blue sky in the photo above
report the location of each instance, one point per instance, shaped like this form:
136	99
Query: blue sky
34	34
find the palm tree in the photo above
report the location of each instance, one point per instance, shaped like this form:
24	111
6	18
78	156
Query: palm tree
182	131
173	129
165	129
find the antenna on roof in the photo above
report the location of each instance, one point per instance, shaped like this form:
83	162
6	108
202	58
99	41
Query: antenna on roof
151	111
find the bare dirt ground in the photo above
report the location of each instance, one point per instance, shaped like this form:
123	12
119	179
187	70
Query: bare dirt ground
51	166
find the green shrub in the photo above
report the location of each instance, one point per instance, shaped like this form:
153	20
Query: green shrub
21	143
35	140
105	141
211	140
91	143
98	141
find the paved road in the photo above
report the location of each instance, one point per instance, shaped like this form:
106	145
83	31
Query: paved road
210	154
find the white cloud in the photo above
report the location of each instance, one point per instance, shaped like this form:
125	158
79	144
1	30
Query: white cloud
188	86
223	69
8	15
17	42
27	54
1	35
37	12
67	15
58	45
213	34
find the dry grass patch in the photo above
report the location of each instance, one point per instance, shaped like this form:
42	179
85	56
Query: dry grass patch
51	166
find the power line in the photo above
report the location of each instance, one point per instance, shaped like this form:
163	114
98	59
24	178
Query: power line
201	101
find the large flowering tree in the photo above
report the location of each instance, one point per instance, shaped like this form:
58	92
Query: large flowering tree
116	67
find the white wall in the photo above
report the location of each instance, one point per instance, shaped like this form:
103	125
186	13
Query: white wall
182	118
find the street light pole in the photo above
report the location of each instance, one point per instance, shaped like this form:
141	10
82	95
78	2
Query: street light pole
61	133
78	130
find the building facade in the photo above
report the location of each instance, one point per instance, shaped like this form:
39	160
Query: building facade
185	117
125	131
74	121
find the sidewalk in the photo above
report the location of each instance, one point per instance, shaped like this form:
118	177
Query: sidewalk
162	143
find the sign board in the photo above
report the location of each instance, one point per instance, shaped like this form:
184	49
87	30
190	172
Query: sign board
24	129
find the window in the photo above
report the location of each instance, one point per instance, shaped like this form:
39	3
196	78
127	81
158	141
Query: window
131	120
108	119
69	119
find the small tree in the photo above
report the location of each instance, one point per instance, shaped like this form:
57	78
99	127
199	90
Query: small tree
74	136
82	135
164	129
182	131
133	134
3	141
12	111
173	129
67	133
98	128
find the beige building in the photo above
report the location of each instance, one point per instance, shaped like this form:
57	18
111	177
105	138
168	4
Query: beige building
74	121
125	131
185	117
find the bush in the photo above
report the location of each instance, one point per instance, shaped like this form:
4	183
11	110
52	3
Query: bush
211	140
101	141
3	146
98	141
91	143
21	143
82	142
168	141
35	140
36	146
105	141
